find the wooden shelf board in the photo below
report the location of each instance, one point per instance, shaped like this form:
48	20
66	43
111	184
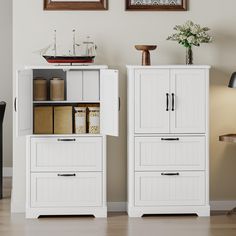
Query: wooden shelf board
228	138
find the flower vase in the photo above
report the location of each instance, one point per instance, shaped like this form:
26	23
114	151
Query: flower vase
189	56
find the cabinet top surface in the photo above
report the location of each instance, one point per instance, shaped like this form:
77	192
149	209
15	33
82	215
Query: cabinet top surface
64	67
169	67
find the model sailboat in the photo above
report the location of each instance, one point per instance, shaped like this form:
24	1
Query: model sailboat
86	57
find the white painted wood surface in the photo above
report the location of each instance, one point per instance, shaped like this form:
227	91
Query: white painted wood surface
76	154
149	156
151	91
91	85
74	85
50	156
109	108
155	189
189	89
154	153
23	102
55	190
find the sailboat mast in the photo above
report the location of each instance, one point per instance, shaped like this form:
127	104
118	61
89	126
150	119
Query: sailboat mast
74	42
55	43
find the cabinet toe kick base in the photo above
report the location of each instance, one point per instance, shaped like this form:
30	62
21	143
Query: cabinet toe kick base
98	212
198	210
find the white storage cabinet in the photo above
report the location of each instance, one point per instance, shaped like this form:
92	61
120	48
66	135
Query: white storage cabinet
168	159
66	174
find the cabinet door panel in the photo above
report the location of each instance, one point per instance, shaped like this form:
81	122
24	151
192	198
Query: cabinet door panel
169	153
66	189
151	89
188	87
109	106
23	102
161	189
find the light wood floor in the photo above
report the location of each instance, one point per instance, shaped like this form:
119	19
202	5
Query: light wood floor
117	224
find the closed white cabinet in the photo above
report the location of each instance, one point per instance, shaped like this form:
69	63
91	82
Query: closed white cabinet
66	189
170	101
169	188
66	154
151	97
169	153
188	94
167	143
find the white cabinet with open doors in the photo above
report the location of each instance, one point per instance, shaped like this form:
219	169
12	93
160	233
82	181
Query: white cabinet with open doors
66	172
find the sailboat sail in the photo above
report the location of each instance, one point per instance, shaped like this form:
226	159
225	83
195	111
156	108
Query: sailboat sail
86	57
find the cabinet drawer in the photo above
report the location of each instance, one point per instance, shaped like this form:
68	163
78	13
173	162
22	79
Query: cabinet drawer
66	154
71	190
161	189
169	153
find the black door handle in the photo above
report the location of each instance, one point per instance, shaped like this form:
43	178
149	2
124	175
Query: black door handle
15	104
170	139
66	175
167	101
119	104
170	174
66	140
173	101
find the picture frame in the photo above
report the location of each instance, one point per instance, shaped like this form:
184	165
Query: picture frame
156	5
95	5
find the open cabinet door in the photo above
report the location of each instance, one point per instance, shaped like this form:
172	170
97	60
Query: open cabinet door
23	102
109	102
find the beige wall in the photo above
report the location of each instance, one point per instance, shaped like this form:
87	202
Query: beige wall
6	75
116	32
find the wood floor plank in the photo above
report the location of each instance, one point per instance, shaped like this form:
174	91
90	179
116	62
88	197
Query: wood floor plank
117	224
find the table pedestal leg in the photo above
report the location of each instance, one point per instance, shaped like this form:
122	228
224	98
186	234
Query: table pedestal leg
146	61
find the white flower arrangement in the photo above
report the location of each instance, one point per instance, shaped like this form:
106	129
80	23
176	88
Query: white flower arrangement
190	34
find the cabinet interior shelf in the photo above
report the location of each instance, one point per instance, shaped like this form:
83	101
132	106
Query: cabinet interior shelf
63	102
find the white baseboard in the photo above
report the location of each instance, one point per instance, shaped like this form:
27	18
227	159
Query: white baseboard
117	206
215	206
7	171
222	205
122	206
17	207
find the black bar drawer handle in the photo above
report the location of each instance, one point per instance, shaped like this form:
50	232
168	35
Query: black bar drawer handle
173	101
66	140
170	139
66	175
15	104
119	104
170	174
167	101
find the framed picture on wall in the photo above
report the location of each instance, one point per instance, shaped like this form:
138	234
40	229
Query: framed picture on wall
156	5
75	5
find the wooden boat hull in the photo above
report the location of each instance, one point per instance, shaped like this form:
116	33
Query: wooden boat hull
69	59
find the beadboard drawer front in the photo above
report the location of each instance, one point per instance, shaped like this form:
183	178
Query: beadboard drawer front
70	190
156	189
66	154
169	153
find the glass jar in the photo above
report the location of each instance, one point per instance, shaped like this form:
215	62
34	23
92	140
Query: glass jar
80	120
94	120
